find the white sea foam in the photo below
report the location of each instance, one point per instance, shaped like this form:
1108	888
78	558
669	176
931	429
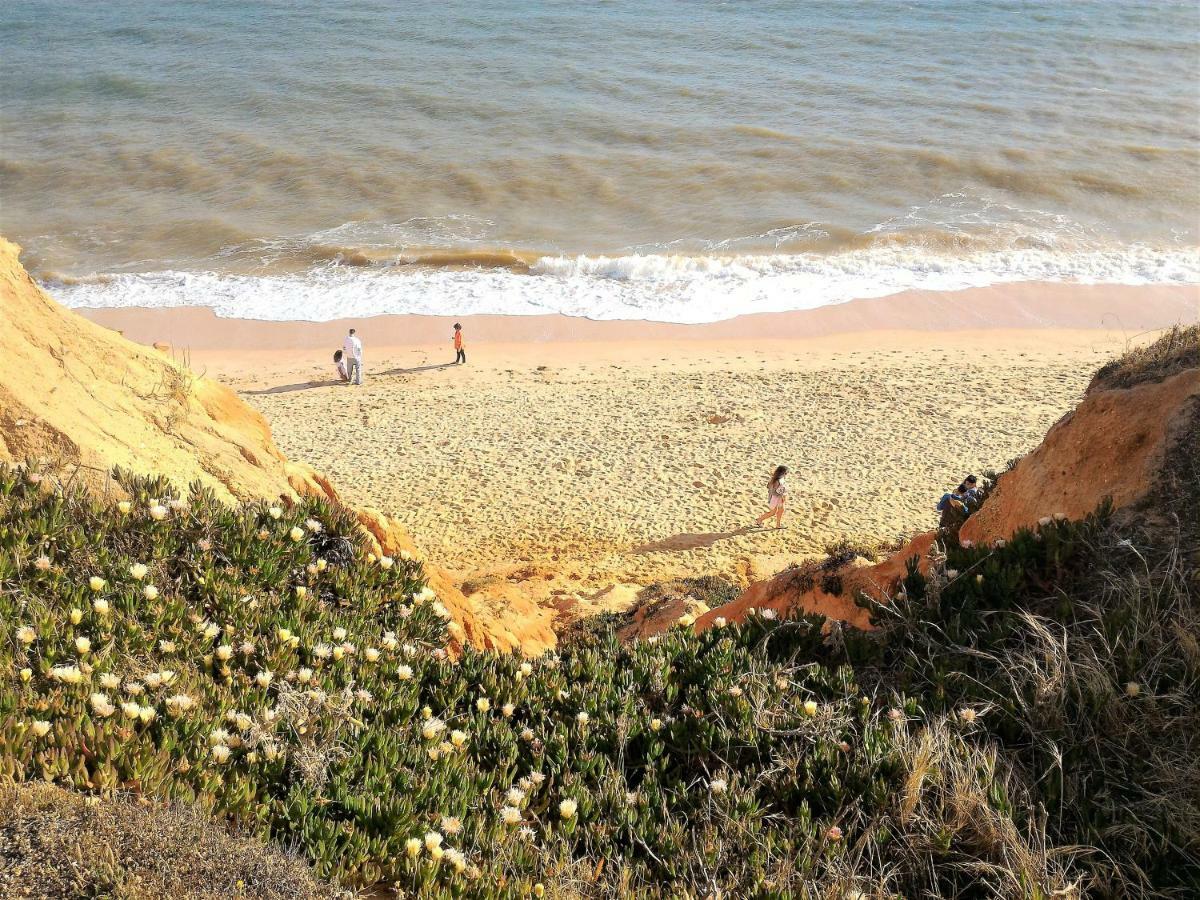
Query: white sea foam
665	288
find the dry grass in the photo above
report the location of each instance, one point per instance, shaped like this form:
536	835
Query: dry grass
58	844
1174	351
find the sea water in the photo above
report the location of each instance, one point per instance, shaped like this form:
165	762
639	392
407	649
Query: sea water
660	159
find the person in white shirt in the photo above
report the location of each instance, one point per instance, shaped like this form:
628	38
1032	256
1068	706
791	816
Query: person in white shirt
352	347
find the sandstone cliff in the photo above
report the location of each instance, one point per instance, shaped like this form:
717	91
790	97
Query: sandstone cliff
1128	441
78	399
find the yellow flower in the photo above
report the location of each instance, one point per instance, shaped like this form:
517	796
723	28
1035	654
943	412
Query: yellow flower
296	534
26	674
224	652
130	709
567	808
810	707
301	591
483	704
539	890
436	853
371	654
150	592
263	678
432	839
322	565
413	847
96	583
458	738
82	645
656	724
284	634
76	616
124	506
431	728
138	571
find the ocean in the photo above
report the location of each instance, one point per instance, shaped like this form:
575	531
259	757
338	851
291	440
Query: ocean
661	159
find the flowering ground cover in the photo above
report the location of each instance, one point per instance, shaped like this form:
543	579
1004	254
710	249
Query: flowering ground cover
260	664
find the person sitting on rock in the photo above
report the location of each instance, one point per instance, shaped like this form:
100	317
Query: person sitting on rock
953	505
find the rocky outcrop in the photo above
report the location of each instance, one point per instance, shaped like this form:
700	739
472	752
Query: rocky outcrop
79	399
1119	444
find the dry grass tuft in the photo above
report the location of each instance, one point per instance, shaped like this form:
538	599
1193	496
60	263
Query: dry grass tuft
1174	351
59	844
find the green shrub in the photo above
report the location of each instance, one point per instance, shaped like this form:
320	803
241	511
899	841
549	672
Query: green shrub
734	760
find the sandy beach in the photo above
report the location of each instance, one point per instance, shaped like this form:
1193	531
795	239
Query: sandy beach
625	453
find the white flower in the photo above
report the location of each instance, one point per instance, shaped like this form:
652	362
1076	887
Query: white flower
312	525
138	571
224	652
810	707
458	738
42	563
158	512
483	704
735	691
507	710
967	543
424	595
431	728
218	736
390	642
413	847
967	714
26	635
275	512
147	714
322	651
154	680
96	583
769	614
82	645
526	669
582	718
263	678
1132	689
952	573
527	734
1060	517
67	674
339	634
386	562
371	654
210	630
304	675
101	705
130	709
150	592
717	785
432	839
110	681
133	688
510	815
166	646
76	616
567	808
220	753
296	534
41	727
100	605
177	504
179	704
719	622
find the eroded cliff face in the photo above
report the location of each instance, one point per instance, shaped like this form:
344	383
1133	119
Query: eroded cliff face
1120	443
78	399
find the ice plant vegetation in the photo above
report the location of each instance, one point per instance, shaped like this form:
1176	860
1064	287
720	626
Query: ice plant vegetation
841	761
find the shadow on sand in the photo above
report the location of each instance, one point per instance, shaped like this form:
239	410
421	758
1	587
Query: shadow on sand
691	541
308	385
